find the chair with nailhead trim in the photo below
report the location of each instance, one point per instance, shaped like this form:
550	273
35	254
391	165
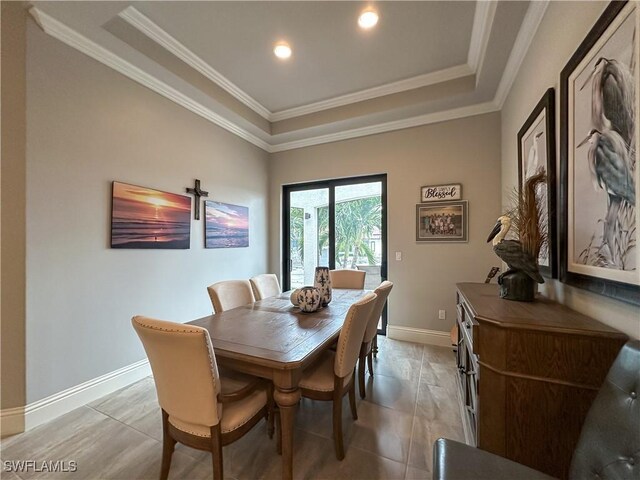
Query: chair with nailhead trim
332	376
195	409
608	447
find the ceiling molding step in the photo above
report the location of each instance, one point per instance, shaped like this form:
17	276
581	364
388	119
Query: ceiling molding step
528	30
145	25
65	34
419	81
482	25
426	119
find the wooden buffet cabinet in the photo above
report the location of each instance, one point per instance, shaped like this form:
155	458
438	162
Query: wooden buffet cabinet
528	373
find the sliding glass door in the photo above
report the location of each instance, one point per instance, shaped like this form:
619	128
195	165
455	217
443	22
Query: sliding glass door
336	223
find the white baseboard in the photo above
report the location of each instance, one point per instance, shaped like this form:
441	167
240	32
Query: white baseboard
419	335
16	420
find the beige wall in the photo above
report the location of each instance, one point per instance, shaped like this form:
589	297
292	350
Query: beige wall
87	126
554	43
13	199
465	151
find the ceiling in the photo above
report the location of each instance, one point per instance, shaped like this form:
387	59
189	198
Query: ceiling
424	62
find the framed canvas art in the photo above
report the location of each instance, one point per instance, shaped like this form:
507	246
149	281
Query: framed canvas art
145	218
226	225
537	151
598	168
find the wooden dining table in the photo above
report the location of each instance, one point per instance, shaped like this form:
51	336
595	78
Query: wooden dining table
273	339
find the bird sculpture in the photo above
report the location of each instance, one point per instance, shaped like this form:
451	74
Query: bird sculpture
512	253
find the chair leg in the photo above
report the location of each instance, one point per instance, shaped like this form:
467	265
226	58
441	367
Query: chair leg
352	400
361	376
337	424
216	452
370	362
168	445
374	348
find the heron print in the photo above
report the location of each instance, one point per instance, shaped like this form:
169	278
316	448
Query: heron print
534	148
603	166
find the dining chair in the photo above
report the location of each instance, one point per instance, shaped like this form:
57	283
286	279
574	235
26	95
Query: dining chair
366	351
353	279
230	294
265	285
333	375
195	410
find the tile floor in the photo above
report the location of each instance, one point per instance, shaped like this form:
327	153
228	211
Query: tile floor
410	402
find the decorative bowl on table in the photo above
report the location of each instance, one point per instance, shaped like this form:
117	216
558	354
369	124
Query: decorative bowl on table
294	296
309	299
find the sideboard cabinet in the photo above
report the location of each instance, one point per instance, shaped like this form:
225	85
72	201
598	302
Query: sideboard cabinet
528	373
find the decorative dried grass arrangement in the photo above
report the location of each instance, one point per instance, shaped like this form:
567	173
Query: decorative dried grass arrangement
526	216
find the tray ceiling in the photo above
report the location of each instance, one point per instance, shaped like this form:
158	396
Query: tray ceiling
423	62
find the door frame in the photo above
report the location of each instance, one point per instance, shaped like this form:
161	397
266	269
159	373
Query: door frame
331	185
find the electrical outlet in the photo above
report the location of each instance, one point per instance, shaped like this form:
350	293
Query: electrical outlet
398	256
442	314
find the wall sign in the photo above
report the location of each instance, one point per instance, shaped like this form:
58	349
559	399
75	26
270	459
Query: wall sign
437	193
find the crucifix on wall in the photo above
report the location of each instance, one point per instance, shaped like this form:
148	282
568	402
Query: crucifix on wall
197	192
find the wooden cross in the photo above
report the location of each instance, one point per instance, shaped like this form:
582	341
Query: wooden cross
197	193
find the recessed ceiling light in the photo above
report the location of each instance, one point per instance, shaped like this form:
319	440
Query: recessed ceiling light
282	50
368	18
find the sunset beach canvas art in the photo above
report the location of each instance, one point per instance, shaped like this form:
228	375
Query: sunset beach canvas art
227	226
146	218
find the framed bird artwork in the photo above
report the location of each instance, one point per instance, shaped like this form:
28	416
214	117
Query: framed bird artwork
537	151
599	142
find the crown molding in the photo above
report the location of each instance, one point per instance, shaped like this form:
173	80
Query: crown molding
146	26
426	119
482	25
528	30
387	89
62	32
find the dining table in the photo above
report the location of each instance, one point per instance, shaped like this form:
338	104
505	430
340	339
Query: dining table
275	340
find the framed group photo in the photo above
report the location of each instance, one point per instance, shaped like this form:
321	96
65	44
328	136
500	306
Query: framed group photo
598	169
536	152
442	221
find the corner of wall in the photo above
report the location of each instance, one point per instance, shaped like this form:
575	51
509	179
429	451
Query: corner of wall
13	217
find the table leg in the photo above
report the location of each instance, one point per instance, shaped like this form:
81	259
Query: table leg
287	399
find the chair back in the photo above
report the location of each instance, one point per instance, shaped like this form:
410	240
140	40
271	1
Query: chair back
352	279
265	285
230	294
351	335
609	444
184	369
383	291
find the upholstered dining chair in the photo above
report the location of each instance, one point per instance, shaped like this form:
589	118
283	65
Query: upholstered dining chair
333	375
353	279
230	294
265	285
366	351
195	410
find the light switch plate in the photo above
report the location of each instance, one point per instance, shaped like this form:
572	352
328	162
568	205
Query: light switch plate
398	256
